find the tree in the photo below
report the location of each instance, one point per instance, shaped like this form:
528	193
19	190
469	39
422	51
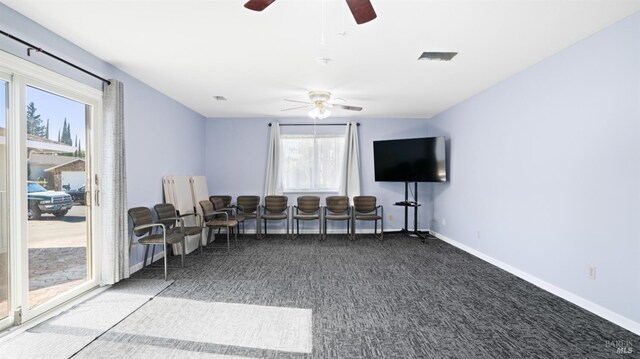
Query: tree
66	133
34	122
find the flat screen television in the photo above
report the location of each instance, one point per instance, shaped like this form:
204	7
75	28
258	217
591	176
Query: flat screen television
410	160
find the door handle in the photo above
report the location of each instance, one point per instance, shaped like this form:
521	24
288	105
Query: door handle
97	198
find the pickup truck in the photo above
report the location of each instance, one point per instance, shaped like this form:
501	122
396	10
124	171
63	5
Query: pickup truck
43	201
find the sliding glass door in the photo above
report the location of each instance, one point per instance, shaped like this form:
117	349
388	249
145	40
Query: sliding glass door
48	176
4	238
58	235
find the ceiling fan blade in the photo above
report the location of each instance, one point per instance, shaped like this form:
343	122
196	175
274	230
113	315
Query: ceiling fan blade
307	102
362	10
258	5
295	108
347	107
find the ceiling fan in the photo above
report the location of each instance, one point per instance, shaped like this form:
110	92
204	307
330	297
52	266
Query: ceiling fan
320	105
362	10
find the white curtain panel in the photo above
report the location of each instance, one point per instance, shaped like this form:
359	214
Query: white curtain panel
273	179
113	194
350	174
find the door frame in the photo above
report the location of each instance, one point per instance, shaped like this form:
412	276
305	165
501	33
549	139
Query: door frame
9	320
24	73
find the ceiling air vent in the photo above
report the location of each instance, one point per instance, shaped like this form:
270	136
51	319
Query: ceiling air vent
219	98
437	56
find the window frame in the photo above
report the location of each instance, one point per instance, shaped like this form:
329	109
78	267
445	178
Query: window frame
316	164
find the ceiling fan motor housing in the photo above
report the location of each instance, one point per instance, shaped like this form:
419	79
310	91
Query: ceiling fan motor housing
319	96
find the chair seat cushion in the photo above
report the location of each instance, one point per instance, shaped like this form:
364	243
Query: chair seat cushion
189	231
337	217
368	217
239	218
274	216
222	223
304	217
192	231
172	238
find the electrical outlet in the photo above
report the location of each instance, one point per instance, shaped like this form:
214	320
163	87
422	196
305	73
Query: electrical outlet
477	234
443	221
592	272
391	217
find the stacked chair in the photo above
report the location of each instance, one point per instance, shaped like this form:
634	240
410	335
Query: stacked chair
275	208
365	209
148	233
249	208
337	209
168	216
307	209
213	219
223	204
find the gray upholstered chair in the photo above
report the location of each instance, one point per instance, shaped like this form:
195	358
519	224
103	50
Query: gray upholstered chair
143	232
307	209
337	209
226	199
174	222
248	207
365	209
212	219
275	208
223	204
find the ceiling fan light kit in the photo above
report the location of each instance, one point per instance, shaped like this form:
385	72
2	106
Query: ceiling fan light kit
319	113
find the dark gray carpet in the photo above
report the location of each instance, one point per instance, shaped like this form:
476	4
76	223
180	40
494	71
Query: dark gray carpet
370	299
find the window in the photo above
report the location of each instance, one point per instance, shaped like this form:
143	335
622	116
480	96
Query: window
311	163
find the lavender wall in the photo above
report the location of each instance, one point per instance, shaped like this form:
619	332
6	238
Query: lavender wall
163	137
237	153
545	166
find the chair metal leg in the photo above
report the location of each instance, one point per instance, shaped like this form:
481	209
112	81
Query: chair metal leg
153	251
324	229
146	254
209	232
184	249
165	261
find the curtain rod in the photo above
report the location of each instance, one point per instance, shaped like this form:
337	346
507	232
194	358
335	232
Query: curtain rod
37	49
312	124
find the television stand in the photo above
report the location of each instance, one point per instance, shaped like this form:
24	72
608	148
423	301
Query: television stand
413	204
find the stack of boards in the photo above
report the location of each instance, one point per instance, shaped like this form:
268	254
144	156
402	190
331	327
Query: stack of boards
185	193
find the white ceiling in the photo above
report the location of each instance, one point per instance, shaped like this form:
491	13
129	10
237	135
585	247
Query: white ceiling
192	50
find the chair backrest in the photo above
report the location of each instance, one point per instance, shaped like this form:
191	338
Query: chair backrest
166	210
226	200
308	204
207	209
249	204
141	216
364	204
337	204
276	204
217	203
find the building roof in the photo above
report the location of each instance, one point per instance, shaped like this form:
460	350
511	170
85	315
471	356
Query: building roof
64	164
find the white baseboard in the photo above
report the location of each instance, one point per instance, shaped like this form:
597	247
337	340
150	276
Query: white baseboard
596	309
